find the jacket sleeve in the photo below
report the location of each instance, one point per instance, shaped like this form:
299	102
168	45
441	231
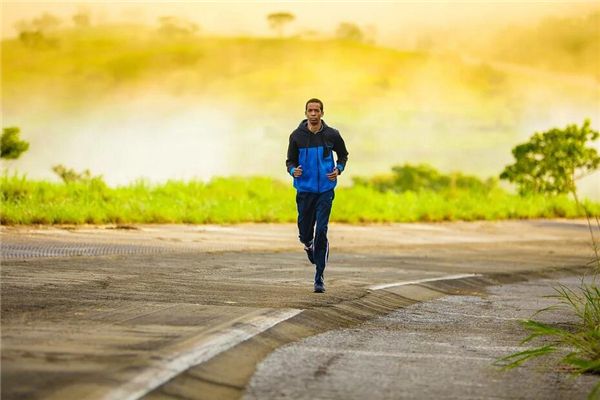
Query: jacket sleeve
292	155
342	153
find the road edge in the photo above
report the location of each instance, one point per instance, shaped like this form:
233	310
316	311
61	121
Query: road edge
226	375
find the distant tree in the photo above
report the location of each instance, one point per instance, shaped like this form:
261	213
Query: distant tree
11	145
349	31
552	161
33	39
45	23
81	19
279	20
176	26
34	33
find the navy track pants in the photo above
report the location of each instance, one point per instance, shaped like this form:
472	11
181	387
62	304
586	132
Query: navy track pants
313	216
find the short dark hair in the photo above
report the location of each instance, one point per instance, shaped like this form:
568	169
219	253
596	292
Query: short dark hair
313	100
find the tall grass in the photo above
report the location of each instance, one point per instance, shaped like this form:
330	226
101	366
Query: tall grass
580	338
255	199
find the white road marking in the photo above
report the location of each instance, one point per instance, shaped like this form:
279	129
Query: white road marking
173	364
416	281
207	347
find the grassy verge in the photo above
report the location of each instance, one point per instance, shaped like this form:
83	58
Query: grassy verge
579	341
256	199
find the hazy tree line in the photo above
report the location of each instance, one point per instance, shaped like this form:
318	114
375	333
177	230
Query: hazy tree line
569	44
38	32
345	30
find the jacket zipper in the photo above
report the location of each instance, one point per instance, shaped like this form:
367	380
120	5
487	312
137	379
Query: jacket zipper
318	173
306	151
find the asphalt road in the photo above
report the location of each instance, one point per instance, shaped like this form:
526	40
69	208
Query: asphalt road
190	311
441	349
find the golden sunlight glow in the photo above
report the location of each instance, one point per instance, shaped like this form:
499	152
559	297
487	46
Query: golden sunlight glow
167	89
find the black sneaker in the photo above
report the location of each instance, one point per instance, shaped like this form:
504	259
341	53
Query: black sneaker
310	253
319	287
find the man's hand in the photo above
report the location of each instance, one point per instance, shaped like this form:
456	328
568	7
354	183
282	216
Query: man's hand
298	171
332	176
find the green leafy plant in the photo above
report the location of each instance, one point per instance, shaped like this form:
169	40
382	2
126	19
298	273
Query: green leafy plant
11	146
552	161
581	337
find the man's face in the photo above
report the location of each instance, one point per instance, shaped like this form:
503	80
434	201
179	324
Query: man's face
314	113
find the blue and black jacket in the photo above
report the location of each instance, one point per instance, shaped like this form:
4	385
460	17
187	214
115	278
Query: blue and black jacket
314	152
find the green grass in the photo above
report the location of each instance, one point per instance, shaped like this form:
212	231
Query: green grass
581	336
580	340
255	199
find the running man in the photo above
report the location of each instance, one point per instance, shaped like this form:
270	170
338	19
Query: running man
310	161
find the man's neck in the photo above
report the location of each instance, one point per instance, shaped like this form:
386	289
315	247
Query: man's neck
315	128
